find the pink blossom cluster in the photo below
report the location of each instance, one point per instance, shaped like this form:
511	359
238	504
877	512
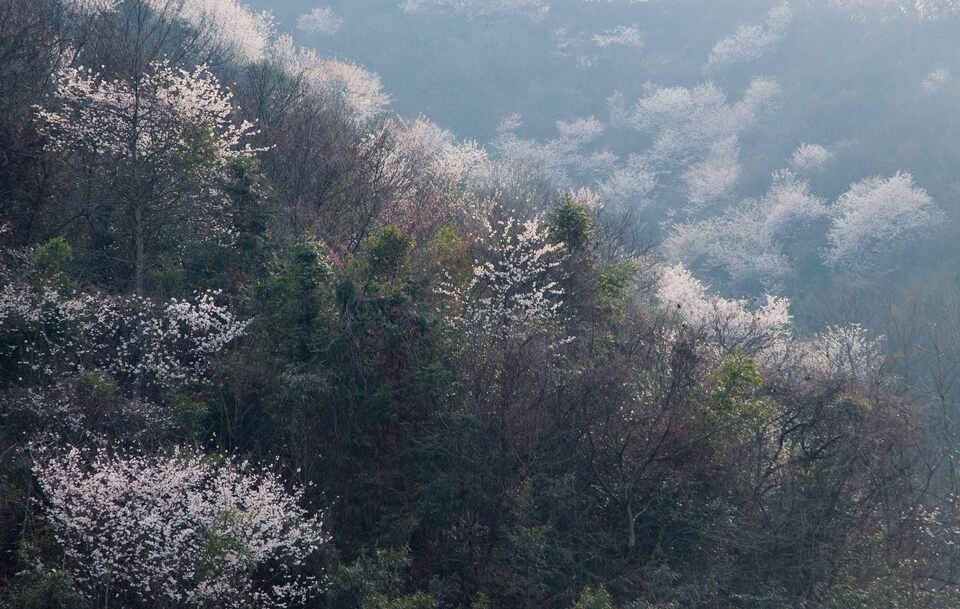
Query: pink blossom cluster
190	529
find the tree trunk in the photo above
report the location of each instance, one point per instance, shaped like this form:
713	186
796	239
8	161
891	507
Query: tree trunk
138	238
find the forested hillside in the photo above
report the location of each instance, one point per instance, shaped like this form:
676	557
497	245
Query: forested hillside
265	342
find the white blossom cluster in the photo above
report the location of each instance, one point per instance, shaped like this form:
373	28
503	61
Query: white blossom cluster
729	324
716	175
746	240
443	160
511	292
184	530
554	158
224	23
321	20
692	120
92	7
134	339
751	42
875	217
158	117
762	329
842	351
810	157
885	9
358	90
630	183
625	35
936	80
536	9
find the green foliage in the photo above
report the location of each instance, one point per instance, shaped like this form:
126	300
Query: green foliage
594	598
614	281
50	260
47	589
570	223
736	397
377	579
388	252
450	253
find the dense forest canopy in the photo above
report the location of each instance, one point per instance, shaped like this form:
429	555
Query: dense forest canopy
440	304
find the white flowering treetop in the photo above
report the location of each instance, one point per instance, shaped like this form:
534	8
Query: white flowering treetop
183	530
159	116
876	217
511	292
746	240
731	325
810	157
536	9
47	334
161	141
751	42
219	24
358	90
321	20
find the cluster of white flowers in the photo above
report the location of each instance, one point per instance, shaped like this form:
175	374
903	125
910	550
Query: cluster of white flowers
511	292
359	91
729	325
694	119
625	35
553	158
92	7
810	157
443	160
185	528
590	200
166	343
936	80
154	118
886	9
716	175
321	20
751	42
225	23
746	240
133	338
843	351
628	185
536	9
875	217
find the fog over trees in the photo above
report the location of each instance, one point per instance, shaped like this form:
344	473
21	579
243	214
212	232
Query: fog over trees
432	304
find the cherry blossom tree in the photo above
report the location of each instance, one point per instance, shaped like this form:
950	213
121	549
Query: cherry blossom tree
339	82
625	35
729	324
161	141
751	42
512	291
746	241
714	176
536	9
321	20
810	157
140	342
875	218
179	530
